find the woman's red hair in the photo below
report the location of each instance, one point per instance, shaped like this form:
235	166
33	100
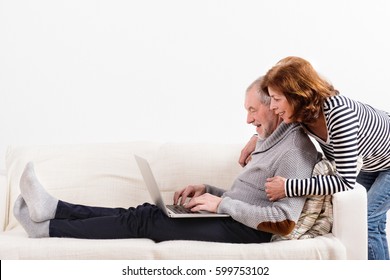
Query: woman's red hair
303	87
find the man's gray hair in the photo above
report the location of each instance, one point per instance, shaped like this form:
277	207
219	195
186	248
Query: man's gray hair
263	97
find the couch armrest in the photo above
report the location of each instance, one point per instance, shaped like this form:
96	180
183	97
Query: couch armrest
350	221
3	199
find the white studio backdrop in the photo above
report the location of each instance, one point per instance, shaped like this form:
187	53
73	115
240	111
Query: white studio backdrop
84	71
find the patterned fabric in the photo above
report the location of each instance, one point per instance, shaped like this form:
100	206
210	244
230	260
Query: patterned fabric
317	215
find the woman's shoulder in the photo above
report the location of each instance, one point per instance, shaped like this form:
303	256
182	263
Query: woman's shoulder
301	142
337	101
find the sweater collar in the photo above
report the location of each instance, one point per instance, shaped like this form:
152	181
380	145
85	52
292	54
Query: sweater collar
278	135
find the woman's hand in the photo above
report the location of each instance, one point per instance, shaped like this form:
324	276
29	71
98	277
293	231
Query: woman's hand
274	188
245	155
190	191
206	202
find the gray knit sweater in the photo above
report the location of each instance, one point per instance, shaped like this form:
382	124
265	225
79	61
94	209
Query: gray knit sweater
289	153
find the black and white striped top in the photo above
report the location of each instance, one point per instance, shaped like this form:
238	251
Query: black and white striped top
356	132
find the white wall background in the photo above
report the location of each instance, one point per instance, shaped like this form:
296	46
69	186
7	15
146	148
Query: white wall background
83	71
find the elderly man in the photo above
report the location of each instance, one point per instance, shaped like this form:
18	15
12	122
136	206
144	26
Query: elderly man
282	149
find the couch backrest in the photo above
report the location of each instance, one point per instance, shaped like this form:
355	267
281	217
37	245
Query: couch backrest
107	174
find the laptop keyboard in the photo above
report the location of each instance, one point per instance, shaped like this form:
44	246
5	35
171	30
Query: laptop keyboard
179	209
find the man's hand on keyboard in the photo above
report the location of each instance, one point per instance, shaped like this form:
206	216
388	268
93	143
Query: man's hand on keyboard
206	202
180	197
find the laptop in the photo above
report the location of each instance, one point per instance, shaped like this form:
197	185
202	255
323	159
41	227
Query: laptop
173	211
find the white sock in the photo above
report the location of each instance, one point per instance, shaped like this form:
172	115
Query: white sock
33	229
41	205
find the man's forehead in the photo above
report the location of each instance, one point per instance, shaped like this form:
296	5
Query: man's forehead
252	98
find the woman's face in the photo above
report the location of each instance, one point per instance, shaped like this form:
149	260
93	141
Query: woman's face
280	105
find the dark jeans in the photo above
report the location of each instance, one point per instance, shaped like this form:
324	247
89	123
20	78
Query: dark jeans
146	221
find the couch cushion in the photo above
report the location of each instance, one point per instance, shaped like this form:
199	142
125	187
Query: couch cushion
14	244
177	165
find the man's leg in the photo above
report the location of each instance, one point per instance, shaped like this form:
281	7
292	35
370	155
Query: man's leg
41	204
148	221
66	210
33	229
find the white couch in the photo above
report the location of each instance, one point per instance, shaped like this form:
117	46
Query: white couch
107	175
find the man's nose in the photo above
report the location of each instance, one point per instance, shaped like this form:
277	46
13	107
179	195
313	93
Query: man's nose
249	118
